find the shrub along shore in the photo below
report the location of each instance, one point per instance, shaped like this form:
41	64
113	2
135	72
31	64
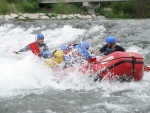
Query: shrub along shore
32	9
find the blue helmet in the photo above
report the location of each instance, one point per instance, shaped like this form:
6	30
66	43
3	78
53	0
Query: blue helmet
85	44
110	39
64	47
40	36
46	53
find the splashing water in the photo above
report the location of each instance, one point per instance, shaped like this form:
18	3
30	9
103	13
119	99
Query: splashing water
26	79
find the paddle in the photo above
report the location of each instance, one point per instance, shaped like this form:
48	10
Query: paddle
146	68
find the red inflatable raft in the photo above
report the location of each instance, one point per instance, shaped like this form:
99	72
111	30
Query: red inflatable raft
125	66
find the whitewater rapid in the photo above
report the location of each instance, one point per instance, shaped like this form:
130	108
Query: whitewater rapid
24	75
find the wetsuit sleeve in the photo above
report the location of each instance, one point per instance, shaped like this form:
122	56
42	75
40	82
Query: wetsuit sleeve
103	49
119	48
26	48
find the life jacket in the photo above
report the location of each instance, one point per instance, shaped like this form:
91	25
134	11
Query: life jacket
58	56
109	51
82	52
56	59
34	48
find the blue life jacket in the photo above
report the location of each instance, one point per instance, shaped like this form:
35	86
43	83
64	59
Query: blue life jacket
83	52
109	51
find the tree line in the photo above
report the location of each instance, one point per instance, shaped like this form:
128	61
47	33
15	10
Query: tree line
130	9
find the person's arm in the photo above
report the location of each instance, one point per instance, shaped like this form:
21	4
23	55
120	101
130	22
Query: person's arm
100	51
97	52
103	49
26	48
122	49
119	48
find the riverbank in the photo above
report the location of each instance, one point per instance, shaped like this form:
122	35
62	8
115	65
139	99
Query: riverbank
36	16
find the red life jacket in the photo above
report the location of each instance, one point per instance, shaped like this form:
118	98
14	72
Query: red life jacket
34	48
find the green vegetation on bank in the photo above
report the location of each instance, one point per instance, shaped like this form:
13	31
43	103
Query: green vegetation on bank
132	9
117	10
5	7
66	8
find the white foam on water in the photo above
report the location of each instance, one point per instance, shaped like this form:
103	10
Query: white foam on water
24	73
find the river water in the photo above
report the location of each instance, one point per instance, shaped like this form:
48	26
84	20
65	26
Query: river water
28	86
